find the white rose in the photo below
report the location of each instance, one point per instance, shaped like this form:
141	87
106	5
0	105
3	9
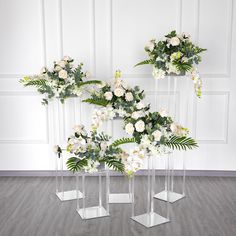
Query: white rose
140	105
62	64
163	112
129	97
129	128
135	115
62	74
108	95
158	73
150	46
174	41
139	126
157	135
119	92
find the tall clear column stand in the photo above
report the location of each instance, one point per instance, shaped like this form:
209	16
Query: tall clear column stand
151	218
94	211
118	197
175	196
58	126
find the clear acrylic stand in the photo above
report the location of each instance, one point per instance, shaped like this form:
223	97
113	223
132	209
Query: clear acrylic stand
151	218
174	196
97	210
58	121
118	197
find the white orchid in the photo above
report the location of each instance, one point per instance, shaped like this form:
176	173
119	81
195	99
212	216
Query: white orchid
158	73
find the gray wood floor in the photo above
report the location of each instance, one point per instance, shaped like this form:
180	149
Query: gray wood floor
29	207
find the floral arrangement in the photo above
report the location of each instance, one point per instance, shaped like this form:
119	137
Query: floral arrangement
63	81
93	151
176	54
117	99
157	134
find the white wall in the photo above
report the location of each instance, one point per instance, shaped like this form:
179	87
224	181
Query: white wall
107	35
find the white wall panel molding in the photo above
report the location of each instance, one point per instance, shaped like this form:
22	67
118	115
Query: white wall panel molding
176	24
228	25
17	95
64	25
41	31
212	117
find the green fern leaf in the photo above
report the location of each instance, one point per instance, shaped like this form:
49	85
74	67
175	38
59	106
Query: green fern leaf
114	163
146	62
181	143
97	101
121	141
75	164
89	83
37	83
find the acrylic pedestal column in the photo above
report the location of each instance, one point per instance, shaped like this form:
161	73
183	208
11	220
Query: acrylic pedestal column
118	197
173	196
151	218
58	123
172	82
94	211
60	192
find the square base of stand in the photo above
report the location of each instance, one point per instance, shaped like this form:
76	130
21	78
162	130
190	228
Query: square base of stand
68	195
150	220
173	197
120	198
92	212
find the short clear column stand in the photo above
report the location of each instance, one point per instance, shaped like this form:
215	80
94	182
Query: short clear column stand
94	211
174	196
151	218
58	121
118	197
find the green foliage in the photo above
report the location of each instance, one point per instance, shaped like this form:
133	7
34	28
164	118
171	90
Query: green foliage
183	66
114	163
63	80
35	82
76	164
89	82
121	141
146	62
181	143
98	101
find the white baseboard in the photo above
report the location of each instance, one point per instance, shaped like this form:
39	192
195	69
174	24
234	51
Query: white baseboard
48	173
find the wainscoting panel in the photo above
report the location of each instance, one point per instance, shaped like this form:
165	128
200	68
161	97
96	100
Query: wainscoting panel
108	35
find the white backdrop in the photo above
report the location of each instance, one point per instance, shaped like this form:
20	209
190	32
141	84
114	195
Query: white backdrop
108	35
